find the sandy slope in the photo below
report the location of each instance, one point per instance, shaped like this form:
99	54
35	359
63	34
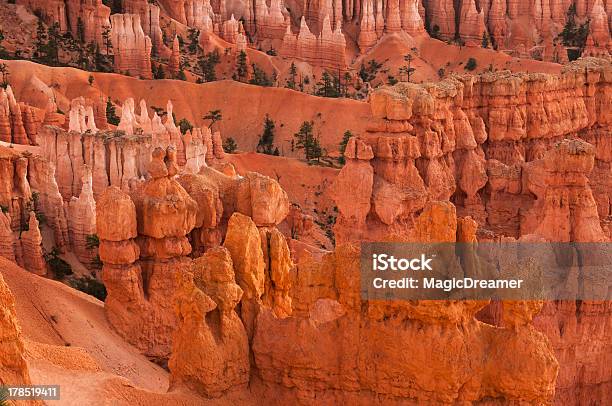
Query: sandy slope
433	55
70	343
243	106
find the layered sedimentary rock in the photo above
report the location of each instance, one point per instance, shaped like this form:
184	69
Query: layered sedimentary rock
518	27
89	18
41	177
7	248
125	154
333	338
17	120
269	21
174	64
149	17
471	24
328	49
220	195
468	139
82	221
211	346
598	40
131	47
15	190
27	191
31	248
523	154
251	268
143	252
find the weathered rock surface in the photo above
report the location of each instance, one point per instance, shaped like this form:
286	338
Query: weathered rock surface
210	345
13	366
131	47
293	352
142	262
472	140
17	120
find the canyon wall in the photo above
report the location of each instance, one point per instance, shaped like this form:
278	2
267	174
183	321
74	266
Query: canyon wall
89	18
19	122
471	140
525	155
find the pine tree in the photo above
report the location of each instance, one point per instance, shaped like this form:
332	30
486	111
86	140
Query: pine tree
291	84
342	146
111	116
80	34
306	140
241	67
329	86
485	40
259	77
40	45
208	63
213	116
407	70
266	140
194	35
184	125
229	145
53	44
107	39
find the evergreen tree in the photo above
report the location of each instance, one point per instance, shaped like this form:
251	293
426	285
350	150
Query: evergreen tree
158	71
52	47
4	70
80	34
574	35
3	52
40	45
329	86
184	125
347	81
407	70
106	38
368	73
291	84
266	140
306	140
111	116
229	145
241	67
485	40
193	36
213	116
208	63
259	77
471	64
342	146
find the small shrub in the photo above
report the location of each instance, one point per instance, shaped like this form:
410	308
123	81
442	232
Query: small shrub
90	286
184	126
229	145
59	267
471	64
92	242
